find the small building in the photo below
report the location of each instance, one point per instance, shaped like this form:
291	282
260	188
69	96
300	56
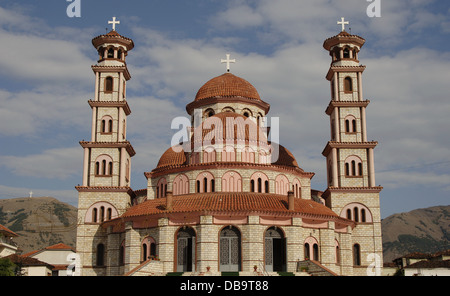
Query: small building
31	266
424	264
7	245
428	268
60	256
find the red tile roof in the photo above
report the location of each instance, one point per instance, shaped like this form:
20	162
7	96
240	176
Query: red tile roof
27	261
59	246
6	231
229	202
227	85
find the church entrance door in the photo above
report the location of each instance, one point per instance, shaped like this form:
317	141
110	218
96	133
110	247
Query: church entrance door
275	250
230	249
186	250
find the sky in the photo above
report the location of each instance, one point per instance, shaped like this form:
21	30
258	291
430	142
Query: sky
46	81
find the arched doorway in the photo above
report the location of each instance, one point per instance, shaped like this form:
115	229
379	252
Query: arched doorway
230	249
186	250
275	250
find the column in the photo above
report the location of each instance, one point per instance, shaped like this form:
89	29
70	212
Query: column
363	124
123	160
335	167
86	167
360	91
371	167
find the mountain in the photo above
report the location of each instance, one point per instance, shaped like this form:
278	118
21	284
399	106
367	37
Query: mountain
422	230
39	221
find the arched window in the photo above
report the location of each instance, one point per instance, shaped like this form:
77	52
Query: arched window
104	165
297	188
111	53
248	155
119	54
100	255
353	166
256	182
108	84
281	185
94	215
311	248
205	182
338	252
106	124
180	185
356	255
231	182
228	154
348	85
209	155
208	113
350	124
161	188
346	52
357	212
122	254
100	211
148	248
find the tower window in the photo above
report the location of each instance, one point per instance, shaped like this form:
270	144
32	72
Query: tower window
356	255
353	166
346	53
106	125
348	86
111	53
104	166
108	84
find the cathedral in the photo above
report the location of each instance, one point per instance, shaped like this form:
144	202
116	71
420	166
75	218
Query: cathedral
227	199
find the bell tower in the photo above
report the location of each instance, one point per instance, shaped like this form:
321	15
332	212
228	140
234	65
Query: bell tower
351	192
105	192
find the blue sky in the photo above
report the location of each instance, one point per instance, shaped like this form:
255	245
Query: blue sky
46	81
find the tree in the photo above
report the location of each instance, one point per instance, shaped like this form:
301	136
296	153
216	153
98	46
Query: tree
6	267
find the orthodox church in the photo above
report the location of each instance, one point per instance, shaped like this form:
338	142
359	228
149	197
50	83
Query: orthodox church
228	200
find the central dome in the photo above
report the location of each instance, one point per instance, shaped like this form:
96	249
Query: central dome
227	85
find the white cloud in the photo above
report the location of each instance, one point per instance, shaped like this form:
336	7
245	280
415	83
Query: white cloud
58	163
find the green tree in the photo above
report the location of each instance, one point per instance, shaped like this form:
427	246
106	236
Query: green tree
6	267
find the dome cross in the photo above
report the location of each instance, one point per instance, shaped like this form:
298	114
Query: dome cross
114	23
343	23
228	61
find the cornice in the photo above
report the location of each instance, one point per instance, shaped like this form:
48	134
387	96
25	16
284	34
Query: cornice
219	99
333	104
123	69
334	69
227	165
111	104
348	145
125	189
127	145
376	189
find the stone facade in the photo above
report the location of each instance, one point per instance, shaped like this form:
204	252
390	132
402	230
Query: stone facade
209	211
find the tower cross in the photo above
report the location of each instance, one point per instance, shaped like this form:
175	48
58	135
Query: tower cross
343	23
228	61
114	23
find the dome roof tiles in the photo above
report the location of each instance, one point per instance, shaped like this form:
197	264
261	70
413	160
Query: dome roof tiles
227	85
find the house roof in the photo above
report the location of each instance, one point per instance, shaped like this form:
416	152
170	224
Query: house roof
27	261
6	231
430	264
57	247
